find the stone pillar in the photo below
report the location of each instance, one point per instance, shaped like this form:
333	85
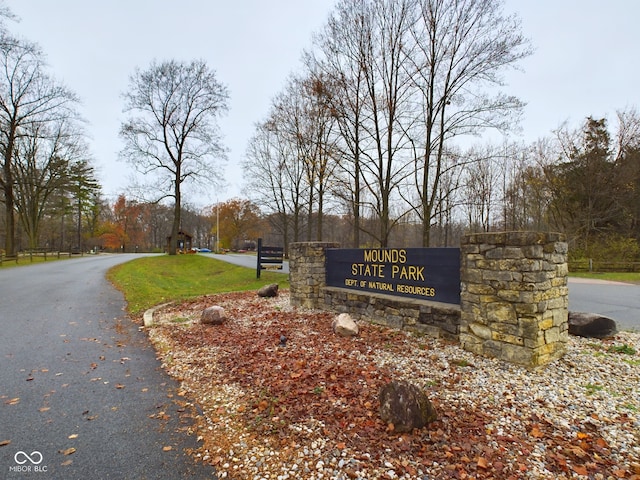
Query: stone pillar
307	273
514	296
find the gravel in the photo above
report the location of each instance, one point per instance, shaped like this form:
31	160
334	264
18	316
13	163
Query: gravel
576	418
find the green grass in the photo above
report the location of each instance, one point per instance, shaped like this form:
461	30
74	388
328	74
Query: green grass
150	281
628	277
24	260
623	349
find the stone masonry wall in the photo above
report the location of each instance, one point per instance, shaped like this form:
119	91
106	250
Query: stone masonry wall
435	319
307	273
514	296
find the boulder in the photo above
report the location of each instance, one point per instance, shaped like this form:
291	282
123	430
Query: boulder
269	290
591	325
405	406
345	326
213	315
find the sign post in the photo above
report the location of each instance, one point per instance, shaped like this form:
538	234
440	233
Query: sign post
272	257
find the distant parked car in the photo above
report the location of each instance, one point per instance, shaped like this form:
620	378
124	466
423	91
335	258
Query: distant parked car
205	250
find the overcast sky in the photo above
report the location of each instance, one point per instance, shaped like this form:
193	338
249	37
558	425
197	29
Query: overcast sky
586	60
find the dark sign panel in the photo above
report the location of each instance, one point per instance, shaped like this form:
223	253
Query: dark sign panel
424	273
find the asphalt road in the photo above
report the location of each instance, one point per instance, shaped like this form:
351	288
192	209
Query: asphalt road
619	301
245	260
82	395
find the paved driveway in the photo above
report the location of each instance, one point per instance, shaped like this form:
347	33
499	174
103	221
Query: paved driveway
619	301
82	395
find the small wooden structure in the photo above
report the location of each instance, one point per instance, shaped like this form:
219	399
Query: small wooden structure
185	242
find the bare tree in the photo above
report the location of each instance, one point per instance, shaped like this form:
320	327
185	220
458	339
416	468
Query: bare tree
340	55
458	52
50	159
172	136
28	97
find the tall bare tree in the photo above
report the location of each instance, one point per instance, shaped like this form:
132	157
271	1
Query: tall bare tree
51	159
28	97
172	135
459	50
340	55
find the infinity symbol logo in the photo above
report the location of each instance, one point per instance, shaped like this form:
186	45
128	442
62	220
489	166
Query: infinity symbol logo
26	457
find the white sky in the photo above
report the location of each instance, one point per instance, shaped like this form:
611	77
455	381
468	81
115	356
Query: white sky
586	60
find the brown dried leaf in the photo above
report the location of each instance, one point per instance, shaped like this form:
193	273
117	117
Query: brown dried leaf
68	451
580	469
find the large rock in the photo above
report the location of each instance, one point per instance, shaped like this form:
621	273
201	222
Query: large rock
591	325
405	406
345	326
213	315
269	290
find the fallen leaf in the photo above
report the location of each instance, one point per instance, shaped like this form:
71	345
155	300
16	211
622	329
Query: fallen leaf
73	435
68	451
44	409
119	386
13	401
482	463
167	448
535	432
4	442
578	452
580	469
66	463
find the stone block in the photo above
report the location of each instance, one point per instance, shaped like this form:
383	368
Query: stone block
507	338
552	335
518	354
481	331
501	312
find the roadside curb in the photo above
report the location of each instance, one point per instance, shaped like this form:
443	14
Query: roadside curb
148	315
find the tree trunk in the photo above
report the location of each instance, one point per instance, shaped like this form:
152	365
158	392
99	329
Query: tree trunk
175	228
9	205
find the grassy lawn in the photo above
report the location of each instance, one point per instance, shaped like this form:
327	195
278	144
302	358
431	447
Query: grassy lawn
29	260
150	281
627	277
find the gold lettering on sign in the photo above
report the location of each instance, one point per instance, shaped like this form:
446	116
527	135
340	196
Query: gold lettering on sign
385	256
409	272
368	269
